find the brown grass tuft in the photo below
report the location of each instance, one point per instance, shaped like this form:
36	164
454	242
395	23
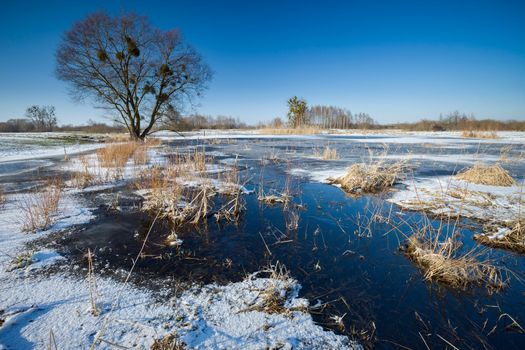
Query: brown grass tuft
2	196
116	155
326	154
168	342
369	178
479	134
38	208
513	239
84	177
493	175
440	260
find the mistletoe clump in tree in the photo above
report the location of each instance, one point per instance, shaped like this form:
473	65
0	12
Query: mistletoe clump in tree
130	68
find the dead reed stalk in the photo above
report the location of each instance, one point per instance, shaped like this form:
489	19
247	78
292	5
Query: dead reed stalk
38	208
92	282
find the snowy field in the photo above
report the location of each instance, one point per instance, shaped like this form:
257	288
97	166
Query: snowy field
48	295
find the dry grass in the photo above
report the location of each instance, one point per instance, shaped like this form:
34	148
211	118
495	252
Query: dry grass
493	175
438	256
183	191
164	192
370	178
479	134
92	282
272	299
326	154
84	177
2	196
116	155
140	156
330	153
38	208
513	239
168	342
307	130
187	164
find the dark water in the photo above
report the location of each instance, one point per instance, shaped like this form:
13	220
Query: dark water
338	254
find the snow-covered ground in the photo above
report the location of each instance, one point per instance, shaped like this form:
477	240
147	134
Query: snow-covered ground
379	136
449	196
21	146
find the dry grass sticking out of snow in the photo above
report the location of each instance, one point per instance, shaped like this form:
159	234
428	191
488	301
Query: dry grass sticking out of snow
448	196
370	178
39	207
493	175
511	236
480	134
253	314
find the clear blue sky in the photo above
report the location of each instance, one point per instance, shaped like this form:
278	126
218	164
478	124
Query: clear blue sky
397	60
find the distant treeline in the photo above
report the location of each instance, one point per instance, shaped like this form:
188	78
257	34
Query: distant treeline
177	122
43	118
322	117
26	125
457	121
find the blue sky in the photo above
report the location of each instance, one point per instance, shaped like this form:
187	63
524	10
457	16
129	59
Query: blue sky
396	60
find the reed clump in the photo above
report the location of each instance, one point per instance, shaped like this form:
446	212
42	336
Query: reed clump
493	175
330	153
84	177
479	134
439	258
38	208
511	237
327	153
116	155
140	156
370	178
2	197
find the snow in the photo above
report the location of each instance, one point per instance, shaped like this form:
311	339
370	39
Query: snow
320	175
219	317
44	258
449	196
379	136
23	146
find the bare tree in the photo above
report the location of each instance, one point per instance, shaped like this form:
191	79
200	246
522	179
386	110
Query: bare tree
131	68
42	117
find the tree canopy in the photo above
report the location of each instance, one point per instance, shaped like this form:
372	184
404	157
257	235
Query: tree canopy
131	68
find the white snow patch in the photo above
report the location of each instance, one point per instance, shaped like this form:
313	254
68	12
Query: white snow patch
227	317
446	195
321	175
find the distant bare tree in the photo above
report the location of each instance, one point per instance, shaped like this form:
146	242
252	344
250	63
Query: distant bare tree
42	117
130	67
